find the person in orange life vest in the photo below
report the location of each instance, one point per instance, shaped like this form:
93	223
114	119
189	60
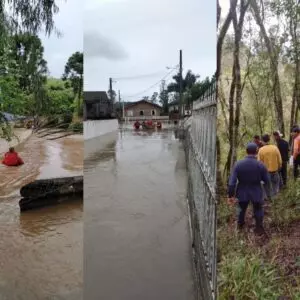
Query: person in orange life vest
12	158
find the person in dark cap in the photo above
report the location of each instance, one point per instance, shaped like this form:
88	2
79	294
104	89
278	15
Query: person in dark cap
270	156
283	147
245	186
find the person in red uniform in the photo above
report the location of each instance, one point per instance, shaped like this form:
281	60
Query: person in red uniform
137	124
149	123
12	158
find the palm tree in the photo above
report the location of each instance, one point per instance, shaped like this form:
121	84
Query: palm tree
187	82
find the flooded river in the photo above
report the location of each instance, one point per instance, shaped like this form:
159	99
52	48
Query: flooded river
41	250
136	236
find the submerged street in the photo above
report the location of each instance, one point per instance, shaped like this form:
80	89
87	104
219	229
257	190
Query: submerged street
41	250
136	234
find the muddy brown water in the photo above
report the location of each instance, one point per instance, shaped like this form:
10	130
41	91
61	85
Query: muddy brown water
41	250
136	236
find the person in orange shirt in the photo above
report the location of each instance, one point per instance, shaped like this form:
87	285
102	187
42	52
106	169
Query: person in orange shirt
296	150
12	158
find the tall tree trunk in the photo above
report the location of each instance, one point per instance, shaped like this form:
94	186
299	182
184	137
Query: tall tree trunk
274	67
218	13
221	38
238	28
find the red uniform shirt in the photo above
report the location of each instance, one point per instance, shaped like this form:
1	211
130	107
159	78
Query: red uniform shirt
12	159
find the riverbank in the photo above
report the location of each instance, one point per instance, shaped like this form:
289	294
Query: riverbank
41	250
20	136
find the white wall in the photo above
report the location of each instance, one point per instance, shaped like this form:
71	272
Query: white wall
93	129
98	135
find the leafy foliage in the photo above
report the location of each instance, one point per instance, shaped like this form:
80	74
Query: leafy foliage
74	72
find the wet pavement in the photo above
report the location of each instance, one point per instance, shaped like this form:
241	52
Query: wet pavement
41	250
136	235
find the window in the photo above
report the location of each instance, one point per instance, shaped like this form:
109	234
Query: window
153	112
141	113
129	113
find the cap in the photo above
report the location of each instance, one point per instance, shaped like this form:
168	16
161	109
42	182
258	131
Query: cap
296	129
277	133
251	148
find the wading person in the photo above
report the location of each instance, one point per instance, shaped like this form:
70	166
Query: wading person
245	186
296	150
270	156
283	147
12	158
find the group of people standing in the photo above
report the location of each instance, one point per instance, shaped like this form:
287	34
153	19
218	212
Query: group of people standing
262	174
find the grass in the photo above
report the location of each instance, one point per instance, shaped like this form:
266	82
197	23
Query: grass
252	268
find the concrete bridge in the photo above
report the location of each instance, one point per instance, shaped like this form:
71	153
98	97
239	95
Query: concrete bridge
150	225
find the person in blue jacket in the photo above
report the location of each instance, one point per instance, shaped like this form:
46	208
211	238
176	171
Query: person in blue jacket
245	186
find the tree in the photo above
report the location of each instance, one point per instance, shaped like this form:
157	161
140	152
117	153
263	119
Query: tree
74	72
28	16
277	98
15	17
28	53
187	82
154	97
164	97
289	13
60	97
199	88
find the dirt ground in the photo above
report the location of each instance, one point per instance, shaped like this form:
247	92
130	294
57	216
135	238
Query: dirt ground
280	245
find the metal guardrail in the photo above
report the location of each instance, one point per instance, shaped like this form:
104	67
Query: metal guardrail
200	147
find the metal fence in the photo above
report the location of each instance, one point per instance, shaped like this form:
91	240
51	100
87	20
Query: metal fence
200	147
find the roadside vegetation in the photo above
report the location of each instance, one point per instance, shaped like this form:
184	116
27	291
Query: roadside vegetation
26	89
258	92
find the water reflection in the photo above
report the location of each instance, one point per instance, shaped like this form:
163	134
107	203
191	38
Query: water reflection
107	154
136	226
41	250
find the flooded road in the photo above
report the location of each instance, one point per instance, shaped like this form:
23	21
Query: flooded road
136	236
41	250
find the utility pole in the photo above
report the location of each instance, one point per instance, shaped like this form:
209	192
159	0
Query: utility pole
180	85
112	102
120	104
110	90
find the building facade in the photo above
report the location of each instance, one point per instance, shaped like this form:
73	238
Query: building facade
142	108
97	105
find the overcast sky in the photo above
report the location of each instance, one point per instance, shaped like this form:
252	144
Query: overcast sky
128	38
69	22
134	38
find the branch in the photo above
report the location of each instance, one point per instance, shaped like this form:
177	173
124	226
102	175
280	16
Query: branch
221	38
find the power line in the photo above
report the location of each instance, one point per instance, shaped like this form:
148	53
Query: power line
139	76
152	86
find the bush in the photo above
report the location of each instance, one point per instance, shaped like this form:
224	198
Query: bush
76	127
67	118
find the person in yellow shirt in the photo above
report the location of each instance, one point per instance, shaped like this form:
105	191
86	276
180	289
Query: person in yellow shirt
270	156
